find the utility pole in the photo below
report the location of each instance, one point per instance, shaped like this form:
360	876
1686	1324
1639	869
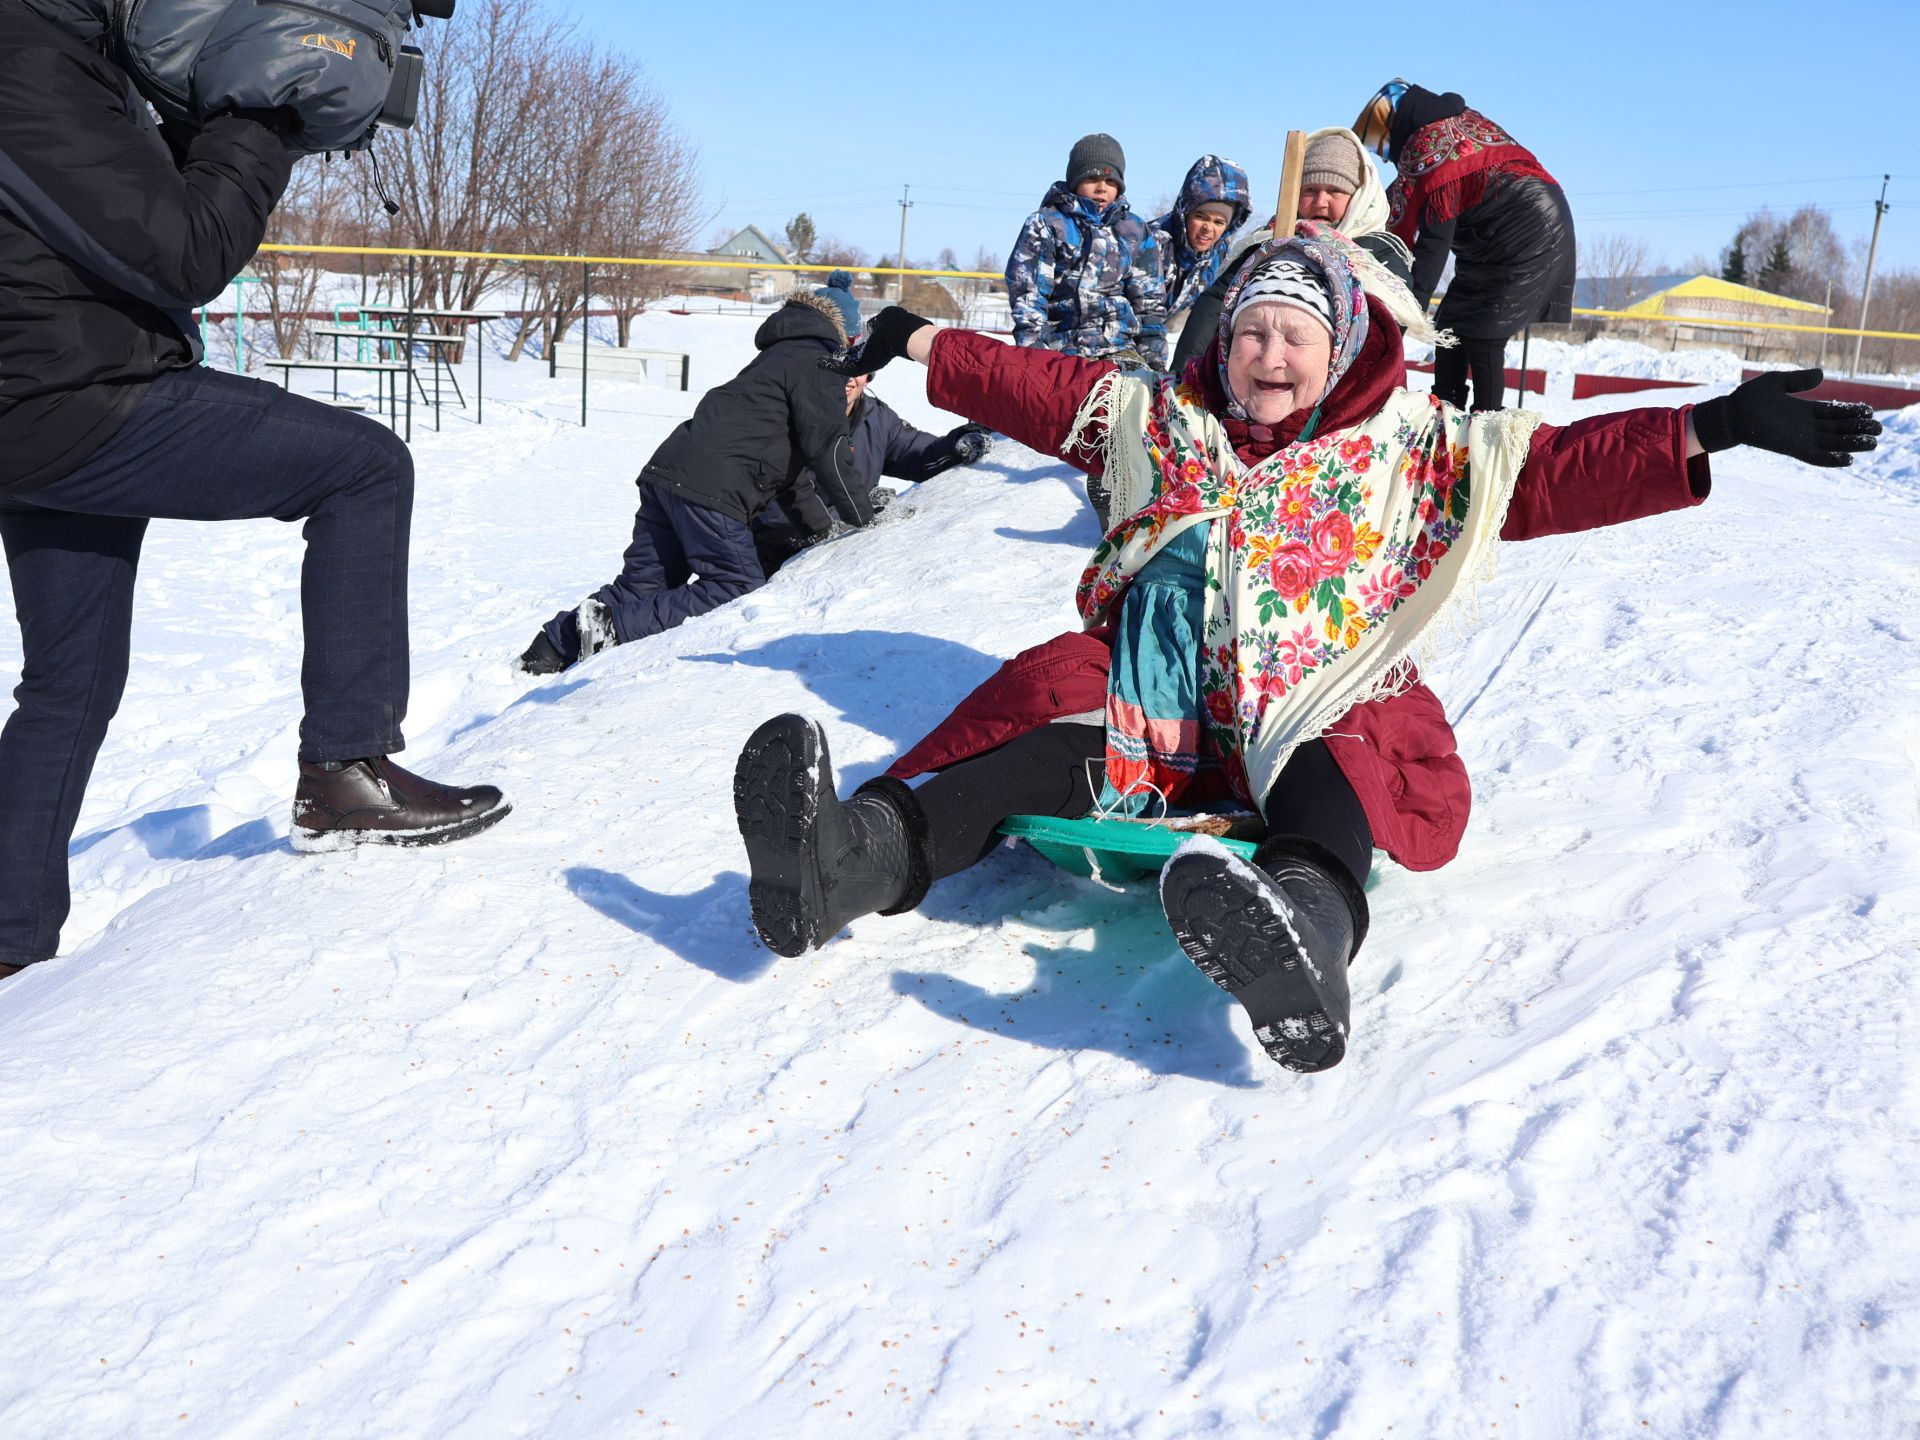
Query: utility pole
1880	208
1822	361
900	281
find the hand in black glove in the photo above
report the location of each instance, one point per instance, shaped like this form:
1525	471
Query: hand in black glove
886	340
970	442
1761	413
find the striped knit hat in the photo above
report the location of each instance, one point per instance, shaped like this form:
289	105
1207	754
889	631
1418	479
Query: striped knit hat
1308	273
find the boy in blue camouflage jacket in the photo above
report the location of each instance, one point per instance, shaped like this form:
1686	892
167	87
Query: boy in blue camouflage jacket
1195	236
1084	277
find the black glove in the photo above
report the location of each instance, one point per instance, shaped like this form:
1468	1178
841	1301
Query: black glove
970	442
1761	414
833	531
886	340
879	498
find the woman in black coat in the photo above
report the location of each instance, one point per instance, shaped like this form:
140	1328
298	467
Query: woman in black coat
1466	187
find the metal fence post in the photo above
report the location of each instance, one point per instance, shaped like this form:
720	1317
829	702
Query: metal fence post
586	334
406	351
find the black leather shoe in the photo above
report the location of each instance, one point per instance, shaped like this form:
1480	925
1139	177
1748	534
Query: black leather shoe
374	801
1277	934
818	864
7	972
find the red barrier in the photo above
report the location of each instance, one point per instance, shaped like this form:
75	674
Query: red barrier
1585	387
1880	397
1536	379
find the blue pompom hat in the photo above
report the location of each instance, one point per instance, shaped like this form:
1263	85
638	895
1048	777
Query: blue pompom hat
839	289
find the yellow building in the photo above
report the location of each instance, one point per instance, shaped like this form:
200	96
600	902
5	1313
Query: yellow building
1660	307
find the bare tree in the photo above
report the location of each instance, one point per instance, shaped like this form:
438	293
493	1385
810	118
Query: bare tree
459	175
1612	263
652	208
323	205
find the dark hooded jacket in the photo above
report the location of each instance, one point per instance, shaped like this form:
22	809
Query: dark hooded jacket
1185	272
110	236
883	444
750	439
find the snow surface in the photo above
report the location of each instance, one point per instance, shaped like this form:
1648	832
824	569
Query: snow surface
527	1136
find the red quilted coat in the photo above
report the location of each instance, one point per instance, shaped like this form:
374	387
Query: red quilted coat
1398	754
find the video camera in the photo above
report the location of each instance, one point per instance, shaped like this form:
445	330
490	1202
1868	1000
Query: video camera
340	68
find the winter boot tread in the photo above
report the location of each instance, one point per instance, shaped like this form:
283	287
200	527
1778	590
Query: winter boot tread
1245	933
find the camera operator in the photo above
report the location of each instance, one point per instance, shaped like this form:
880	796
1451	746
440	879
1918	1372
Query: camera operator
110	235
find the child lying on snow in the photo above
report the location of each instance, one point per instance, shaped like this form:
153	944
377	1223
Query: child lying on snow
742	483
1298	522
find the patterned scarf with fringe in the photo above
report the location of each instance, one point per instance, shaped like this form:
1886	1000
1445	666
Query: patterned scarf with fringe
1321	578
1444	168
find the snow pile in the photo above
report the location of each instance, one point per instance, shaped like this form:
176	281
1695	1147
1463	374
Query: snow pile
1897	465
1610	356
527	1136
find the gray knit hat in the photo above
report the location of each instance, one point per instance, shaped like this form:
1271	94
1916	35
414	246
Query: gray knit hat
1333	161
1097	157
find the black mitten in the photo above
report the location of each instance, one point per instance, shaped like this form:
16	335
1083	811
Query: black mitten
970	442
1763	414
886	340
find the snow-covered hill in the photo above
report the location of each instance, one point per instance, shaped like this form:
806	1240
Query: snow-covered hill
527	1136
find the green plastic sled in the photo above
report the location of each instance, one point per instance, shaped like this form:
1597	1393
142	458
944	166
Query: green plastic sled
1114	849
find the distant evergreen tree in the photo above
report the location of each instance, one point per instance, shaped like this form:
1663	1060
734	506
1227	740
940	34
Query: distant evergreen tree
801	236
1734	266
1778	269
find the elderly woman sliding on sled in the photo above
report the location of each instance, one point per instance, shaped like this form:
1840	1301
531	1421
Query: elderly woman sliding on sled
1297	523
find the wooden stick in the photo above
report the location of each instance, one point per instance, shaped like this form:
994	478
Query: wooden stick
1287	212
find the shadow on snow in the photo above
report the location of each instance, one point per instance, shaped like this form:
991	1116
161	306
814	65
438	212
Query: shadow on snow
709	929
1114	980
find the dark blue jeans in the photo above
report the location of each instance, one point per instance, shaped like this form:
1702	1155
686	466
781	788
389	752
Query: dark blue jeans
684	560
202	446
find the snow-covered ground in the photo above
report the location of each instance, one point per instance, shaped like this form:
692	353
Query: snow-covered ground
527	1136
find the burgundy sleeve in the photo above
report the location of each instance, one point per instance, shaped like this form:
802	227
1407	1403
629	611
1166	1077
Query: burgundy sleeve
1029	394
1606	470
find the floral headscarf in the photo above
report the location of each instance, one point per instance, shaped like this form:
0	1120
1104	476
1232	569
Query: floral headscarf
1323	251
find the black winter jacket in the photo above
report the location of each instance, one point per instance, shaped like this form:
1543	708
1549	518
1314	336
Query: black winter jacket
1514	257
883	444
1514	254
107	243
1204	318
750	439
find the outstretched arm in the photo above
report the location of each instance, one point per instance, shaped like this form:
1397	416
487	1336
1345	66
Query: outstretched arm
1032	395
1614	468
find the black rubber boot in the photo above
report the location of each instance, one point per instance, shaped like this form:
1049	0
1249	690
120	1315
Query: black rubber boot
543	657
818	864
1277	934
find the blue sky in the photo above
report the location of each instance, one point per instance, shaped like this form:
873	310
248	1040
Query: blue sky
1666	122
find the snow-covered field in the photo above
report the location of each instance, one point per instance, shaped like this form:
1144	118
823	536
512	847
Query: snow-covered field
527	1136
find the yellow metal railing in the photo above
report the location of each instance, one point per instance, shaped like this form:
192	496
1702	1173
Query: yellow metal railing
704	263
